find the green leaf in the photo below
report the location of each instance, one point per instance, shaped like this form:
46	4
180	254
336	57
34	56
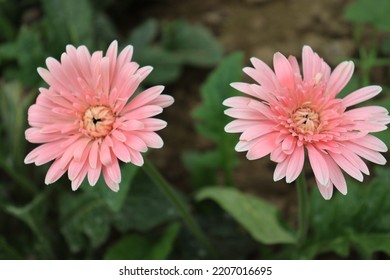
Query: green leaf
33	215
139	247
363	11
210	116
84	216
214	91
68	22
145	208
27	61
362	213
258	217
7	29
130	247
164	246
8	51
193	44
13	106
143	35
7	252
166	66
104	30
114	200
203	167
371	243
385	47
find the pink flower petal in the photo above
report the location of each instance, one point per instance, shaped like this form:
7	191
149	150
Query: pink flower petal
368	154
277	155
339	78
112	53
371	142
295	67
336	176
136	157
318	163
347	166
240	125
105	154
262	74
295	164
314	68
114	172
124	57
354	159
136	143
361	95
256	131
163	101
80	177
288	145
263	146
94	174
144	98
153	124
121	151
244	114
237	102
283	71
325	190
93	155
280	170
144	112
54	172
151	139
130	125
110	183
254	91
83	61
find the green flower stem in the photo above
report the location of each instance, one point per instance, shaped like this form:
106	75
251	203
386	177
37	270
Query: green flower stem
180	205
303	214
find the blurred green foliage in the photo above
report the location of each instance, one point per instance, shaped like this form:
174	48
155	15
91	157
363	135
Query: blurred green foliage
359	224
181	44
368	12
251	212
371	25
138	222
139	247
211	121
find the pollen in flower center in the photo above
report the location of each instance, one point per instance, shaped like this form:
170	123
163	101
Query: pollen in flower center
98	121
305	119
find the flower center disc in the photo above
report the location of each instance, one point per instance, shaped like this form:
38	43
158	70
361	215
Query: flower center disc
306	120
98	121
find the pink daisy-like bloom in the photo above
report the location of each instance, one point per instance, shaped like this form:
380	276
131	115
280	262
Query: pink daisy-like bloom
286	114
89	116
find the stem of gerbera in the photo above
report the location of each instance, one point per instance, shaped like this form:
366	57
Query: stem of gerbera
303	211
180	205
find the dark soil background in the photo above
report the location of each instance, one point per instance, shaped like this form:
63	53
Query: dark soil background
259	28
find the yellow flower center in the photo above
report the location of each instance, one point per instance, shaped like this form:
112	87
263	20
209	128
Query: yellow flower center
98	121
305	119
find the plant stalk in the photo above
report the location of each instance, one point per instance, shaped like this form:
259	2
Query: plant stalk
179	204
303	211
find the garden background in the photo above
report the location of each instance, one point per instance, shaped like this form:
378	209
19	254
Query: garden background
197	48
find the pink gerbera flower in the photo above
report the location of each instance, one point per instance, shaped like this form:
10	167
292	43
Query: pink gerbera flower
89	117
287	114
